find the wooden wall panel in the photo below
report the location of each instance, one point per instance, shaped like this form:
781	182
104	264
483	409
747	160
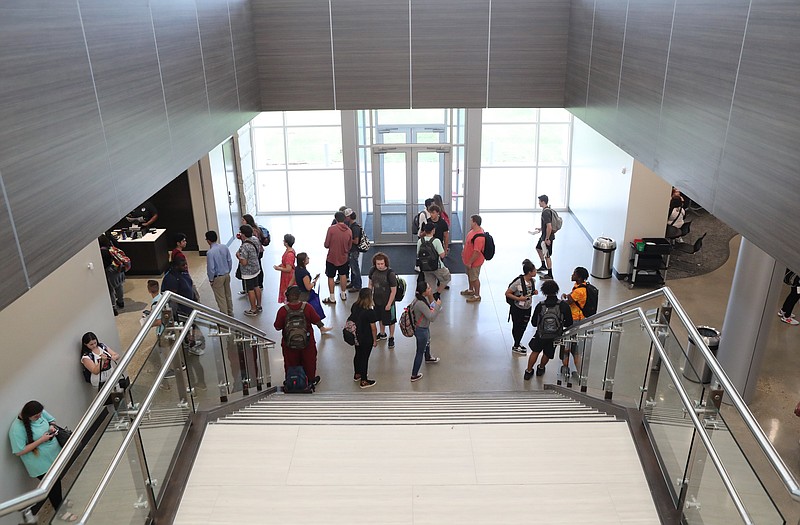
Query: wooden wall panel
129	93
604	71
51	141
293	51
579	50
180	57
528	53
449	48
371	53
647	35
244	51
218	62
759	169
701	73
12	277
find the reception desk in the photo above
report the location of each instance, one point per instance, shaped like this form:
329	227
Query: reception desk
149	254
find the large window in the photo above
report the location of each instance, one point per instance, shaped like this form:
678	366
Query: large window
524	153
298	161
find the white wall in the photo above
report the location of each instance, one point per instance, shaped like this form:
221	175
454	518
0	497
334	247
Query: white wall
600	187
648	205
41	352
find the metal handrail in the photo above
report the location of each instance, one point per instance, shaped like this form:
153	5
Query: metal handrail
787	478
98	404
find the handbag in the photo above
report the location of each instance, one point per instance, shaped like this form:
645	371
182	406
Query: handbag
62	435
239	272
313	300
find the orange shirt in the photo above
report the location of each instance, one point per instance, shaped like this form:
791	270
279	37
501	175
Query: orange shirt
470	247
579	298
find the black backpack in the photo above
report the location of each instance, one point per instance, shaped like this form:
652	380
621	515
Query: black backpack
488	247
87	376
524	289
296	380
416	223
427	258
592	296
295	334
789	277
550	324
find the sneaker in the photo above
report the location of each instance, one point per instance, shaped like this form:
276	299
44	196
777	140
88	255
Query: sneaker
368	383
170	374
519	350
328	300
789	320
548	275
391	342
336	281
528	375
343	296
467	292
196	351
781	314
523	347
539	371
416	377
381	337
251	313
432	360
317	380
565	371
447	287
474	299
259	309
356	377
542	268
242	292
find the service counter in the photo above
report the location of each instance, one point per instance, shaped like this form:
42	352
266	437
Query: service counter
149	253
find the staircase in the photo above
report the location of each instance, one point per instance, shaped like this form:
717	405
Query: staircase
541	406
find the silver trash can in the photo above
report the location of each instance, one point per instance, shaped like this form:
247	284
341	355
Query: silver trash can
604	248
696	366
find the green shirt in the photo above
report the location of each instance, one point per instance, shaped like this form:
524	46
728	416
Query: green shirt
36	464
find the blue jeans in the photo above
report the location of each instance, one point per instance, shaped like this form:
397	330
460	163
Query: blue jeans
423	337
355	270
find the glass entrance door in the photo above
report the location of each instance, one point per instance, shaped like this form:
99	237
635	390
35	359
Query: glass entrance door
403	177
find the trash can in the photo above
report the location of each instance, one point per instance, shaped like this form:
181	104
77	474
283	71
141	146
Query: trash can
696	365
604	248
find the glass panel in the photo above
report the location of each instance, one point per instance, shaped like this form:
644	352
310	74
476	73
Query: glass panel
460	125
554	144
394	219
428	137
596	353
314	147
506	188
268	150
430	174
271	191
508	145
313	118
554	115
392	138
633	358
509	115
315	190
363	131
553	183
268	118
385	117
393	170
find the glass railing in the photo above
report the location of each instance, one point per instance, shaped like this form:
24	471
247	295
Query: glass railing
634	353
117	466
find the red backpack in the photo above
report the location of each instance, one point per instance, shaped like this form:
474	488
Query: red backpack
120	261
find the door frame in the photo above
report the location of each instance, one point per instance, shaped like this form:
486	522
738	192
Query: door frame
415	205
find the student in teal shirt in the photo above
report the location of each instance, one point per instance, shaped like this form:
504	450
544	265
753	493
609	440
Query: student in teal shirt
32	436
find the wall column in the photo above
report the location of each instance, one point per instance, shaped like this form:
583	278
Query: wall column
752	306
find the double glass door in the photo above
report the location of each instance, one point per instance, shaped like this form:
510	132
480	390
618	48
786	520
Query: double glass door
403	177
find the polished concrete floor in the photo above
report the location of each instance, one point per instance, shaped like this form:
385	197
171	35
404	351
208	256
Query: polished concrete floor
474	340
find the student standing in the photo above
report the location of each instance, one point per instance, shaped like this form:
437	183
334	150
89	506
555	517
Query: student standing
364	316
520	292
383	282
550	317
424	309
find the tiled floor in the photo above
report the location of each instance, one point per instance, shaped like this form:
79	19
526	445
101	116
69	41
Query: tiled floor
468	474
474	340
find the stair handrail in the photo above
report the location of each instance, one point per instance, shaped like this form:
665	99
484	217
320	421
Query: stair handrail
788	480
98	403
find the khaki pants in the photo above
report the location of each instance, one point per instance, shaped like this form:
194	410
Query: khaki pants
221	287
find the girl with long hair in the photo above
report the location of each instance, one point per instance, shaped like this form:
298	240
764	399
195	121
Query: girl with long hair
424	309
363	315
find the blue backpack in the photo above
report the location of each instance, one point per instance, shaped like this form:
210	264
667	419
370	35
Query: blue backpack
296	380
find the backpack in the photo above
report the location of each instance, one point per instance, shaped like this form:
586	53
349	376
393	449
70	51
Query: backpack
427	258
592	295
407	321
295	334
556	222
401	289
350	332
789	277
296	380
119	261
524	289
363	243
488	247
265	238
416	221
87	376
550	324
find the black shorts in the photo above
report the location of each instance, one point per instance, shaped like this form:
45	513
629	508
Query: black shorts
543	345
331	269
387	318
541	245
251	284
